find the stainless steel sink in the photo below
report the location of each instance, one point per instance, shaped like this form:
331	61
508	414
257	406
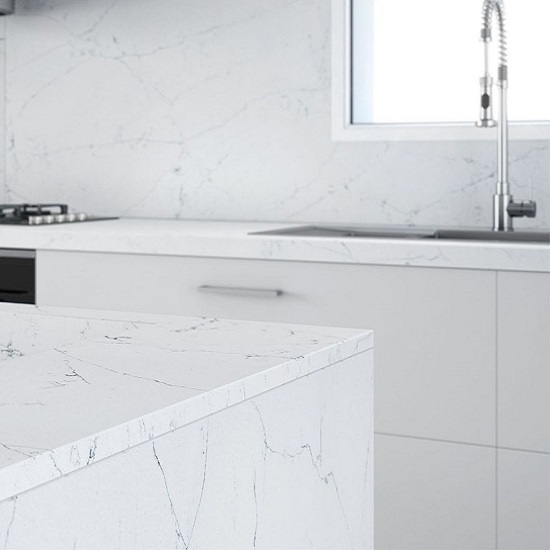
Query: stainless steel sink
354	232
411	234
488	235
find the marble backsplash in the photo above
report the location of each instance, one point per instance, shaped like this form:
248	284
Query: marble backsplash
218	110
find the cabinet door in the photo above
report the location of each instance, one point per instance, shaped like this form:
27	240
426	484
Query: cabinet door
524	361
433	495
435	351
212	287
523	500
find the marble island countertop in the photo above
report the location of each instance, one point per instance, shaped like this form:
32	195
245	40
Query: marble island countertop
232	240
79	386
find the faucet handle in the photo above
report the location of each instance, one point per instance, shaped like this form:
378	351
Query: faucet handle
486	107
527	209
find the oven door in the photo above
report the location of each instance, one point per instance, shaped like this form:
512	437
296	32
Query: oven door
17	276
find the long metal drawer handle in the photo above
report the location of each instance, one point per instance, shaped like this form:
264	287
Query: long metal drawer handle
242	291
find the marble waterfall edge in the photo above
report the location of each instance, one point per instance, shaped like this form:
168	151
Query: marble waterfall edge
183	433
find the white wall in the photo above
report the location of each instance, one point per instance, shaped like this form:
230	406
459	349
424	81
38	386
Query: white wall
211	109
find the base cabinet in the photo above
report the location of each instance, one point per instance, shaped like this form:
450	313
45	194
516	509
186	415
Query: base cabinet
448	342
433	495
523	500
524	361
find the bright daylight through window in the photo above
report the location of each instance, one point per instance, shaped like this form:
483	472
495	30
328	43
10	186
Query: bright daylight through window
420	61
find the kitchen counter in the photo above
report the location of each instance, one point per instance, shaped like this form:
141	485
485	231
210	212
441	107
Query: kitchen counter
80	388
232	240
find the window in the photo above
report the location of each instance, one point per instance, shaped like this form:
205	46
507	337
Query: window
412	68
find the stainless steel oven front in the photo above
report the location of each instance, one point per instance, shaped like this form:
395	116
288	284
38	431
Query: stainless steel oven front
17	276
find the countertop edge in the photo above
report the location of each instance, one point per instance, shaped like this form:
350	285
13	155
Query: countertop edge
53	464
384	252
232	240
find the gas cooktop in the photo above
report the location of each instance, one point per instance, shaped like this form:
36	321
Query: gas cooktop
43	214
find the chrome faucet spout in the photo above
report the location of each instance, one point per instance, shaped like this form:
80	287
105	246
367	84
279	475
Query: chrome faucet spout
504	206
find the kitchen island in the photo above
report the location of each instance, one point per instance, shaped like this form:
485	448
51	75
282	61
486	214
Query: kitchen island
146	431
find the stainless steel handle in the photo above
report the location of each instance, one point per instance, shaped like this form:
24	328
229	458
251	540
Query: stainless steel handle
241	291
518	209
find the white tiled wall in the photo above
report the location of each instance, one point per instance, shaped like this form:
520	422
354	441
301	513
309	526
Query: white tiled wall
208	109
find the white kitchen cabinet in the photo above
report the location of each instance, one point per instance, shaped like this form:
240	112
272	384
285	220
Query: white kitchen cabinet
524	361
434	328
444	337
524	410
433	495
523	500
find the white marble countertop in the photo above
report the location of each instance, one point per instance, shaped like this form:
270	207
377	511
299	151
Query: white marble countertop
232	240
78	386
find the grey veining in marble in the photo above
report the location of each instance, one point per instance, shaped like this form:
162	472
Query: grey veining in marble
78	388
291	468
233	240
204	109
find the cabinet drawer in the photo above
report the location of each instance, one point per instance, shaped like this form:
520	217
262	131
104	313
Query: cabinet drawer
240	289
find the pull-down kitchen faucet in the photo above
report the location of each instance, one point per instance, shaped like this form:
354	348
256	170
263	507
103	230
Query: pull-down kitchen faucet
505	208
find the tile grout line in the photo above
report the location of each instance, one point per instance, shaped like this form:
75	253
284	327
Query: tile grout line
467	444
496	412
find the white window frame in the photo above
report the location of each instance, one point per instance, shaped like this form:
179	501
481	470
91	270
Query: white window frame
344	130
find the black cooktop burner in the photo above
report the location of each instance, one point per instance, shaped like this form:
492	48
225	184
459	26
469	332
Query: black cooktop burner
26	210
42	214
